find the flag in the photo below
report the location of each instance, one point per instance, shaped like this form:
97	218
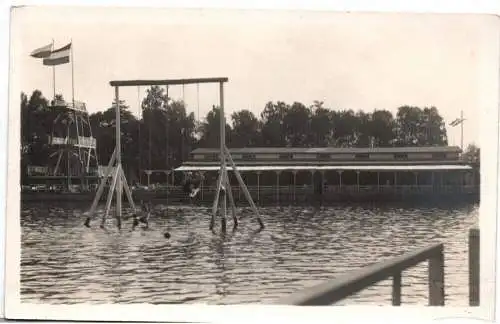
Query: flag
42	52
457	122
59	56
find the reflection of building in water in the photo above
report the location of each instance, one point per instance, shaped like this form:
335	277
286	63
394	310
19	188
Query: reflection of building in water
289	173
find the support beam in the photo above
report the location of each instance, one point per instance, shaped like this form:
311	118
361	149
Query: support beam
396	289
216	200
474	267
119	182
313	190
223	210
244	188
231	201
258	186
100	189
135	83
148	174
128	193
110	197
201	185
278	187
118	158
222	154
294	183
58	162
436	280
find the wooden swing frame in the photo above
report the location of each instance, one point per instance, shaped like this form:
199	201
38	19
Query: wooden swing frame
119	180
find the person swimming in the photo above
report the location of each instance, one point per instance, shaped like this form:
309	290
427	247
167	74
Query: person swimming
144	218
192	184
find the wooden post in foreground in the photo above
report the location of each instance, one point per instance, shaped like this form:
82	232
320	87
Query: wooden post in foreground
396	289
436	280
474	267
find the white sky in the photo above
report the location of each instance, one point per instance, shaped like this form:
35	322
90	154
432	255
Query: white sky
350	61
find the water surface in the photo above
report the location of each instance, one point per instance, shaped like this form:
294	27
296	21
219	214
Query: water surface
64	263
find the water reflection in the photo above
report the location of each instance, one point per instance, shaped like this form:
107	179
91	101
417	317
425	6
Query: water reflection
64	262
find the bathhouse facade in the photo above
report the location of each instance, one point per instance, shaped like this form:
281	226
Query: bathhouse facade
330	174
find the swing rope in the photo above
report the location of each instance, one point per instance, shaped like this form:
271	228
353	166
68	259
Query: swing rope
198	100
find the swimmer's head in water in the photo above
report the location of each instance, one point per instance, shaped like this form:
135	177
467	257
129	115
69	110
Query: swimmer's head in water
166	235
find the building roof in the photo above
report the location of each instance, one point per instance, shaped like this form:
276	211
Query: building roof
325	163
331	167
330	150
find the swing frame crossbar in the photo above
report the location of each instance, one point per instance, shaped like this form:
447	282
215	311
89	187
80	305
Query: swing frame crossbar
119	181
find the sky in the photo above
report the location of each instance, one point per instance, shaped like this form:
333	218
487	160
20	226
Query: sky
359	61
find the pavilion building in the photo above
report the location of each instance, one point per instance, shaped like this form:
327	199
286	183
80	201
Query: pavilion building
280	174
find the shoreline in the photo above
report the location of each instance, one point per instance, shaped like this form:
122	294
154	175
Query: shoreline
265	198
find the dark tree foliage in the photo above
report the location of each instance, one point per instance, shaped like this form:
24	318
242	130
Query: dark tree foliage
166	132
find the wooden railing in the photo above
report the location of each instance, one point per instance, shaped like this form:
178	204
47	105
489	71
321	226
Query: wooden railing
328	293
344	189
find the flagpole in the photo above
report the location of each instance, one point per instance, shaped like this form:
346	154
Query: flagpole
53	76
72	76
462	130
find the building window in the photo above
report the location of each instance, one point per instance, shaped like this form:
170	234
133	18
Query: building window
323	156
213	157
248	157
285	156
401	156
439	156
362	156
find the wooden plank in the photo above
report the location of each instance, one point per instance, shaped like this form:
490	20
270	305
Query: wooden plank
128	83
474	268
436	279
327	293
396	289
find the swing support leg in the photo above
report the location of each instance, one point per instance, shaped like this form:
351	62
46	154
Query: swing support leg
100	190
110	197
119	182
244	188
216	202
223	211
231	201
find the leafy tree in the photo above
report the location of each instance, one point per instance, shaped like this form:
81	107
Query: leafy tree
273	129
472	155
322	130
345	123
153	107
210	129
182	131
297	125
166	133
246	129
363	132
418	127
382	128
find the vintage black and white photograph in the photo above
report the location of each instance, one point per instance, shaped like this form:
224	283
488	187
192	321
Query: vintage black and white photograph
239	157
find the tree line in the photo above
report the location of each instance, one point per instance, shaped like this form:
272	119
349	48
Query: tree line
166	132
